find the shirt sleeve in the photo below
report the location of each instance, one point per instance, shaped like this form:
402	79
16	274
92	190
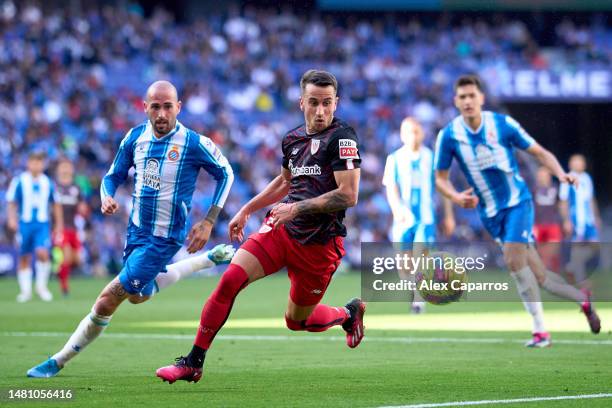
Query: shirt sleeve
343	150
215	164
389	174
14	191
118	172
444	154
518	137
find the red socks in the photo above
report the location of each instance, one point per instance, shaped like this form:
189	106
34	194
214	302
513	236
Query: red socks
322	318
63	274
219	304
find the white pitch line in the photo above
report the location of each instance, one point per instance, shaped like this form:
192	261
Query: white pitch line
506	401
369	339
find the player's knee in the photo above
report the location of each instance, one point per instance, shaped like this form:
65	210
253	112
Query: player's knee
515	260
107	303
233	280
136	299
294	325
105	306
42	255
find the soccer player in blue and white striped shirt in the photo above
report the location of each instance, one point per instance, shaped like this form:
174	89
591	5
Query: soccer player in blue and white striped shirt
409	183
581	219
167	158
30	199
483	143
578	205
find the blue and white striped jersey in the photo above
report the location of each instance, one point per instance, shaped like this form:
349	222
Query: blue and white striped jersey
580	201
412	173
486	156
32	196
165	177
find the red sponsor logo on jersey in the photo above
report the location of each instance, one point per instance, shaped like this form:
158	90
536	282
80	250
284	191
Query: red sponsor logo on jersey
348	149
348	153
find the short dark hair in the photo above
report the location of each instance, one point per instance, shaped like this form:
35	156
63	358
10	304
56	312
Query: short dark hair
318	78
464	80
37	155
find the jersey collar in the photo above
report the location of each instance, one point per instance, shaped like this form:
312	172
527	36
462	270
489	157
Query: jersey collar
469	129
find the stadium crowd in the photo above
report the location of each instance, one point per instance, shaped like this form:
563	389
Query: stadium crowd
71	84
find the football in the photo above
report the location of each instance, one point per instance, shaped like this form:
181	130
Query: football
438	282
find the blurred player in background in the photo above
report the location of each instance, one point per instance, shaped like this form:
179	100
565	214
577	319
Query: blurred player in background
68	195
547	228
409	183
483	144
30	199
319	180
581	220
167	158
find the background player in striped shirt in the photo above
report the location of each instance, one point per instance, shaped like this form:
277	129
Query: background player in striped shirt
483	143
30	197
581	219
409	182
167	158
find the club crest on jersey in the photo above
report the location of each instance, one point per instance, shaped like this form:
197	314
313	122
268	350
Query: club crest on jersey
314	146
348	149
151	176
173	154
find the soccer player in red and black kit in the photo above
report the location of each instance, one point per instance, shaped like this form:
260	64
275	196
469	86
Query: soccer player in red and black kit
547	228
69	196
319	180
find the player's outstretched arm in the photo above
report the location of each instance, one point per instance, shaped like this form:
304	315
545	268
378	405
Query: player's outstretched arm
117	174
11	199
58	218
11	217
548	160
276	190
393	198
448	223
568	228
341	198
465	199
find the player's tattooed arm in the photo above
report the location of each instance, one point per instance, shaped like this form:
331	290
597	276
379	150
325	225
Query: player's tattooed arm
343	197
213	214
332	201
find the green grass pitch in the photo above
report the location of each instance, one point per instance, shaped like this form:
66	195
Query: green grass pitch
459	352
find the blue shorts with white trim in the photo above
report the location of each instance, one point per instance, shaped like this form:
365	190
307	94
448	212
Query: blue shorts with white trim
145	256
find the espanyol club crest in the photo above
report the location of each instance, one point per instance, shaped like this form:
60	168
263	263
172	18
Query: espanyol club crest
173	154
314	146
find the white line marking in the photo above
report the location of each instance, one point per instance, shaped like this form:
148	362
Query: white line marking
370	339
506	401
